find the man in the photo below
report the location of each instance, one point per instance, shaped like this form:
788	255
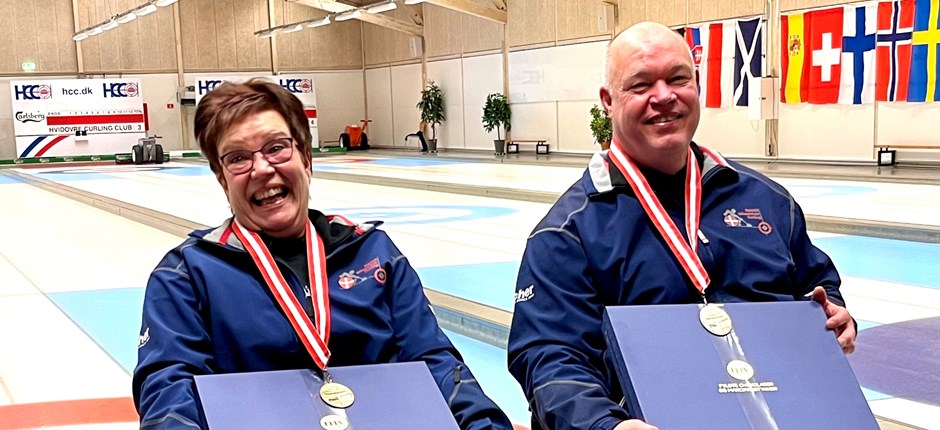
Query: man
621	236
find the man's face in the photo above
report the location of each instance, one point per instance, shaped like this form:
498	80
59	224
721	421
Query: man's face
652	98
269	198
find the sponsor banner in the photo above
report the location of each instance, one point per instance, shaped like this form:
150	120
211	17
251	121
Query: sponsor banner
60	117
302	86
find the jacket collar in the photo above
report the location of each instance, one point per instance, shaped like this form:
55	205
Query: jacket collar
606	177
335	230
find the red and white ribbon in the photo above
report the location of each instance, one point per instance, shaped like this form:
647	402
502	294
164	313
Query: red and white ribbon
684	251
315	339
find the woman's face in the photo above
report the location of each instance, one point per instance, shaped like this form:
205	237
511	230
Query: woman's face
269	198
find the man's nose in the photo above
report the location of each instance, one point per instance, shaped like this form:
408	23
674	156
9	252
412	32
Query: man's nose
662	93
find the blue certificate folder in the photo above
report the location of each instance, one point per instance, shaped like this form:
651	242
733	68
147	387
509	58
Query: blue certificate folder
395	396
675	374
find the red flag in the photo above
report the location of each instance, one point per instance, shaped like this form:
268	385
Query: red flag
825	56
893	50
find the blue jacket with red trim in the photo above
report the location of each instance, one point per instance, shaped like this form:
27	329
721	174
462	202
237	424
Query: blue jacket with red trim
596	247
207	310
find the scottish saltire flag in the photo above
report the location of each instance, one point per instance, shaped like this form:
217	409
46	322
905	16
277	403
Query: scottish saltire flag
923	83
859	25
794	61
716	72
893	50
748	57
825	56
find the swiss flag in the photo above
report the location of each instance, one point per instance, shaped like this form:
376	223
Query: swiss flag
825	56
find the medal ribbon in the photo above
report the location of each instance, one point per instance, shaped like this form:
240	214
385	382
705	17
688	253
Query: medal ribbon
315	339
684	251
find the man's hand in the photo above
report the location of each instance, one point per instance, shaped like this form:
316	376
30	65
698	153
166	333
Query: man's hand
634	425
839	320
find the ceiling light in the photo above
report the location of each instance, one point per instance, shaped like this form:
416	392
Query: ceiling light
293	28
267	33
94	31
126	18
348	15
163	3
319	22
413	1
80	36
385	7
146	10
112	24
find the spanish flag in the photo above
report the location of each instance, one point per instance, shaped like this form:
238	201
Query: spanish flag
794	60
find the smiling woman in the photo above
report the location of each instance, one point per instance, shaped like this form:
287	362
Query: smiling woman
256	139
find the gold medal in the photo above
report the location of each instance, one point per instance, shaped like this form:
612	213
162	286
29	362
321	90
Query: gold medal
715	320
337	395
334	422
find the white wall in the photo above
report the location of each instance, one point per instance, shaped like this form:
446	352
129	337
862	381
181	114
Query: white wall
448	74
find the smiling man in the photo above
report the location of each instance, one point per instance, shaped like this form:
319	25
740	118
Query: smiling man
270	288
656	219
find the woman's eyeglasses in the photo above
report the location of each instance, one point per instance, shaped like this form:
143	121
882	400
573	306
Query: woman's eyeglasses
276	151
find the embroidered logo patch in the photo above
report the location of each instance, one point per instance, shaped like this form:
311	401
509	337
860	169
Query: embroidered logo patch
144	338
371	270
747	218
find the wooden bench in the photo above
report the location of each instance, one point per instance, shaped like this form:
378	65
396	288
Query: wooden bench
541	146
886	153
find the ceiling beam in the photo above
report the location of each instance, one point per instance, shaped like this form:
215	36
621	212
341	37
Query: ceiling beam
472	8
372	18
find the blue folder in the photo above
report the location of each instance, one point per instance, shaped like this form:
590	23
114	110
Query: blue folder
675	374
395	396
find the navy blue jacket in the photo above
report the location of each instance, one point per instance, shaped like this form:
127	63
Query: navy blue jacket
207	310
596	247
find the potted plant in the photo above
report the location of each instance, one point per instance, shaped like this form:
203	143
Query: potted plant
432	110
601	127
496	113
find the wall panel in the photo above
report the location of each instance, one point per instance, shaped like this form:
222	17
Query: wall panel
448	75
442	30
480	34
579	19
632	12
139	45
531	22
335	46
218	35
384	45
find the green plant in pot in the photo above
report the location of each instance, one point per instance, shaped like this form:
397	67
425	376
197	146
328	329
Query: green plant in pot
496	114
432	110
601	127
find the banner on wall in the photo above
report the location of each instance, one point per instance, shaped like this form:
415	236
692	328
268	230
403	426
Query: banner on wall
301	86
62	117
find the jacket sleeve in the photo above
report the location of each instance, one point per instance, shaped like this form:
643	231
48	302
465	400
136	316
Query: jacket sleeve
556	348
419	338
812	267
173	346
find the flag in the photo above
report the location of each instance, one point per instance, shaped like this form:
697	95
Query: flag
794	64
693	38
716	69
859	24
923	81
893	50
748	57
825	56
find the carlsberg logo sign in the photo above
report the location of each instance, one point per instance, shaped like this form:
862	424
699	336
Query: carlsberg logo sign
29	117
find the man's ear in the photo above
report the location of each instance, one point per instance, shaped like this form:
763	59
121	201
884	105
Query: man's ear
606	99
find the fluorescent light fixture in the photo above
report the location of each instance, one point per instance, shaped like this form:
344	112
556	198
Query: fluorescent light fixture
94	31
80	36
163	3
320	22
385	7
126	18
112	24
348	15
413	1
146	10
268	33
293	28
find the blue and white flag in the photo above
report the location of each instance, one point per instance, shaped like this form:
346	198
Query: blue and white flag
748	57
859	27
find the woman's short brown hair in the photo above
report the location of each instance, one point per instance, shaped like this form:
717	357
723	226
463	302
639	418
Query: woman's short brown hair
230	103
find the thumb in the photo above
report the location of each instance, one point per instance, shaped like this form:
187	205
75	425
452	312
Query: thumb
819	295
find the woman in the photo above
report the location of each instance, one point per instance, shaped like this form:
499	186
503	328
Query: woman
214	304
